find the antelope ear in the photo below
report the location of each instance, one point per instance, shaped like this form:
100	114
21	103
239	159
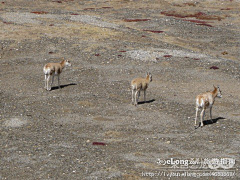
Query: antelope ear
214	86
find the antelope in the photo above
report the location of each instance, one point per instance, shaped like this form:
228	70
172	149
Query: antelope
140	84
206	100
52	69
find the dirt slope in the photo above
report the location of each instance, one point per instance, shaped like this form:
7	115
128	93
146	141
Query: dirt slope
89	129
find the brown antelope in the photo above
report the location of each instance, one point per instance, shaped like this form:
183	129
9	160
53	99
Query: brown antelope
140	84
206	100
52	69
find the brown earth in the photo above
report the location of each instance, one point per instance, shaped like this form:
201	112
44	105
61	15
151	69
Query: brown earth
88	129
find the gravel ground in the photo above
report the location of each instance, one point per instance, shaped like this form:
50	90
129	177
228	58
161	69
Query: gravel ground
88	129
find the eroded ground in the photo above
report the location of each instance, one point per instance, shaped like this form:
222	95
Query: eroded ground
89	129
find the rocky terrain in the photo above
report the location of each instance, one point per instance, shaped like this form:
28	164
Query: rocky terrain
89	129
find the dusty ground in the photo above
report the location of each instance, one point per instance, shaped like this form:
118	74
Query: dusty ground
89	129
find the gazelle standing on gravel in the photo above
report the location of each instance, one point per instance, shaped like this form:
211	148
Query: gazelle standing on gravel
140	84
206	100
52	69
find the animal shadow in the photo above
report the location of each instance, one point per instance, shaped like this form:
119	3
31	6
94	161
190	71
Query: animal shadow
149	101
207	122
63	86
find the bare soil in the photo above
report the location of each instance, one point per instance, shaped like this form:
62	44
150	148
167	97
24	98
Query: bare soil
89	129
